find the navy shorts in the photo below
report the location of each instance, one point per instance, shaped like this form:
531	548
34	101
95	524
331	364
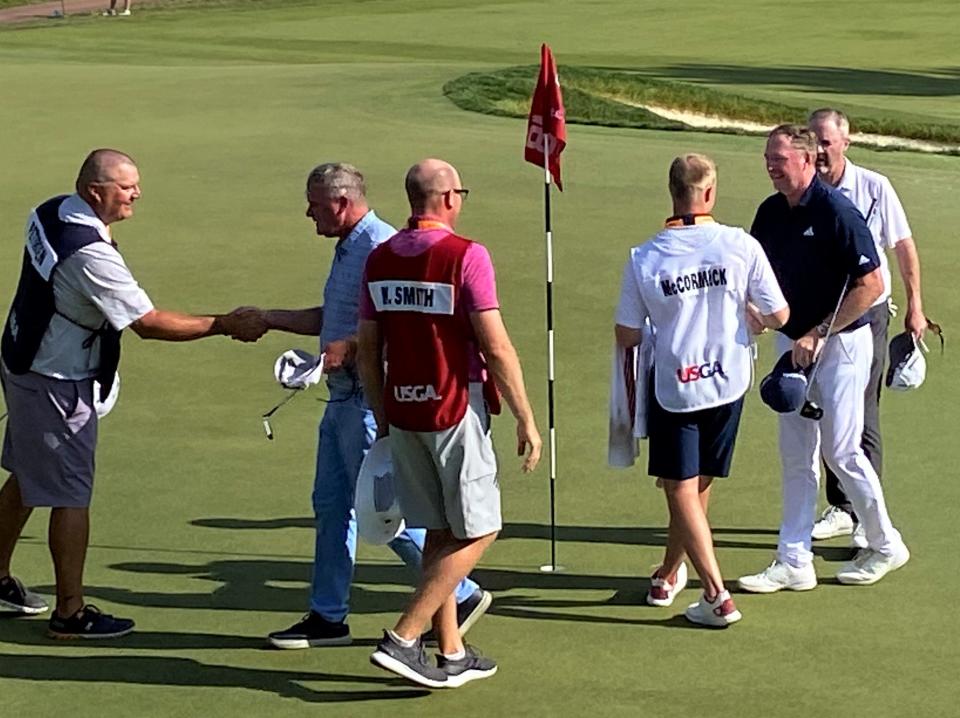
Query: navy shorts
688	444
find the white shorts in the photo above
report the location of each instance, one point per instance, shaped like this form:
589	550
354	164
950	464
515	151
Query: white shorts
448	478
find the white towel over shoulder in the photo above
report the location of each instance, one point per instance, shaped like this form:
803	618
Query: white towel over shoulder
630	376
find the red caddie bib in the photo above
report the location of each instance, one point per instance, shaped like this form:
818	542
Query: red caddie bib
427	337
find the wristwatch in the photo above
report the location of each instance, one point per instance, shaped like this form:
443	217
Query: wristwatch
822	329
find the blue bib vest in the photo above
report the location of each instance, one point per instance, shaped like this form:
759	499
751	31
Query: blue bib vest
49	241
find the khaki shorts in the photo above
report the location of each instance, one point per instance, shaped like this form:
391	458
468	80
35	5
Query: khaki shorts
448	479
50	438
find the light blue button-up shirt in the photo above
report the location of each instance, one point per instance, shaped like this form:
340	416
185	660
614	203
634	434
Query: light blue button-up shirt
341	294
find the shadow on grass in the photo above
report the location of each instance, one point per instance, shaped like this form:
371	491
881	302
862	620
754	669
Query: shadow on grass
624	535
676	621
32	632
166	671
300	522
944	82
252	586
835	554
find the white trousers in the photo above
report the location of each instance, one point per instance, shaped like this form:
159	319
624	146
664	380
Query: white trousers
839	387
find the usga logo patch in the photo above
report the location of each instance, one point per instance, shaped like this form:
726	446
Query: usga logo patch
415	392
695	372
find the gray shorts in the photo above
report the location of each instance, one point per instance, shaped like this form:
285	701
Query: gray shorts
448	479
50	438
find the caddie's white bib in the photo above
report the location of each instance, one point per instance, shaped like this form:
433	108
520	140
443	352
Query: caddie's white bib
693	282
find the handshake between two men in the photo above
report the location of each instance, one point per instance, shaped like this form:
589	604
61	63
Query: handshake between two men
248	324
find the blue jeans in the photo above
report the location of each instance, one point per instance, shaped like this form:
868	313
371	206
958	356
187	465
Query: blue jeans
346	433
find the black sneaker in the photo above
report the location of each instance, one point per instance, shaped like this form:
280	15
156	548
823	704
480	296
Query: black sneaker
89	623
15	597
468	613
411	663
312	630
469	668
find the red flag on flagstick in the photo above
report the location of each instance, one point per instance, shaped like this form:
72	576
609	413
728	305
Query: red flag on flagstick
546	121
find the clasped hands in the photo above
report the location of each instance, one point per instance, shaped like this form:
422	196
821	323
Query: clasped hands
245	324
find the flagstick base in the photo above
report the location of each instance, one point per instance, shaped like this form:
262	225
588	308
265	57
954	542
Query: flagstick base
552	568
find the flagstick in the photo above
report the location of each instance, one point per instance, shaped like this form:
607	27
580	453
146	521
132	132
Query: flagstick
552	567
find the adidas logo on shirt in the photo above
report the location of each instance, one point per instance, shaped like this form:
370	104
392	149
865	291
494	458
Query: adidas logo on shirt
808	232
864	259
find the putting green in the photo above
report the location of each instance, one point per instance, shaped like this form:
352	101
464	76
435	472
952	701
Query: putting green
201	528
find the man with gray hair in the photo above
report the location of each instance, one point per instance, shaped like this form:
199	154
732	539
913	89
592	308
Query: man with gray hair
874	195
74	298
337	204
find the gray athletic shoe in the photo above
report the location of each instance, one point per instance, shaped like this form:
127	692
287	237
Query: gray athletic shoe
14	596
410	663
468	613
471	667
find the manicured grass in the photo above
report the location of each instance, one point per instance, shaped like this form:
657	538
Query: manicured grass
201	528
603	96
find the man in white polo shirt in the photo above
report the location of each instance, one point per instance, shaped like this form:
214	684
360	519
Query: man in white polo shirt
696	281
74	298
872	193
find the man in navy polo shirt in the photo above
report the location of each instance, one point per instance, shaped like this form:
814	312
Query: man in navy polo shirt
821	248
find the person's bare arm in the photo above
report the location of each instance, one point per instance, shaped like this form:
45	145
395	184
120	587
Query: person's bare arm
296	321
760	321
627	337
908	260
504	364
861	295
241	324
777	319
370	368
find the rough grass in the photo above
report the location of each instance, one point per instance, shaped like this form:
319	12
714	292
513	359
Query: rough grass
600	96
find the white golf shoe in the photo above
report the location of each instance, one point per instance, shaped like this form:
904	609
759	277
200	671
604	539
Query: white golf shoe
780	576
719	613
662	591
834	521
859	537
870	566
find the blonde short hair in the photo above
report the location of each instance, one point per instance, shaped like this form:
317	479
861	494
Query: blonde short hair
689	173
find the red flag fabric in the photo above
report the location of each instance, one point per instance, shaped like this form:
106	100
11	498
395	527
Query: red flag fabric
546	121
